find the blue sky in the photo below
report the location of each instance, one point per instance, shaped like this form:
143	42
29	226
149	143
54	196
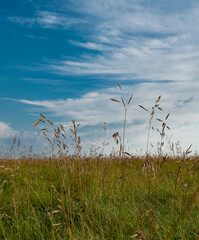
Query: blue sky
63	58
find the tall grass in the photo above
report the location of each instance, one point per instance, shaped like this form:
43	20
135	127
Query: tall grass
112	197
95	210
125	105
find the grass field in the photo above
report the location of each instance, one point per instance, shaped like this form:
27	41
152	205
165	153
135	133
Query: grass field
99	198
117	196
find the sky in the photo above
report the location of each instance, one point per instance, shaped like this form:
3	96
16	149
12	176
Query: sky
64	58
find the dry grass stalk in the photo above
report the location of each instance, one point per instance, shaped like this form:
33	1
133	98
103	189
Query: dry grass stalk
118	140
162	133
76	139
152	114
125	105
56	140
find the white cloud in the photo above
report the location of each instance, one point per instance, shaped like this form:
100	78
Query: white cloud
126	16
154	59
46	19
6	131
135	40
92	109
91	45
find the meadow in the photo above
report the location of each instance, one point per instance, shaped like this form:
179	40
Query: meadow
95	197
98	199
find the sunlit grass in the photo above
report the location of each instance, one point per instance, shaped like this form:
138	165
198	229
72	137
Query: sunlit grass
112	203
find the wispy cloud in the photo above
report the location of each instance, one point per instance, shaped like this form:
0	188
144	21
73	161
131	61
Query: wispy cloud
46	19
44	81
91	45
136	40
153	59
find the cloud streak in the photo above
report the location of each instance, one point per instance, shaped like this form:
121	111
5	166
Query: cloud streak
46	19
129	38
134	40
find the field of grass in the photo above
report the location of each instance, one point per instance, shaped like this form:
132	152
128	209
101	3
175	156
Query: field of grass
99	198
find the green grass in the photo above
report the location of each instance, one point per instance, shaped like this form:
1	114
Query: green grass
100	199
